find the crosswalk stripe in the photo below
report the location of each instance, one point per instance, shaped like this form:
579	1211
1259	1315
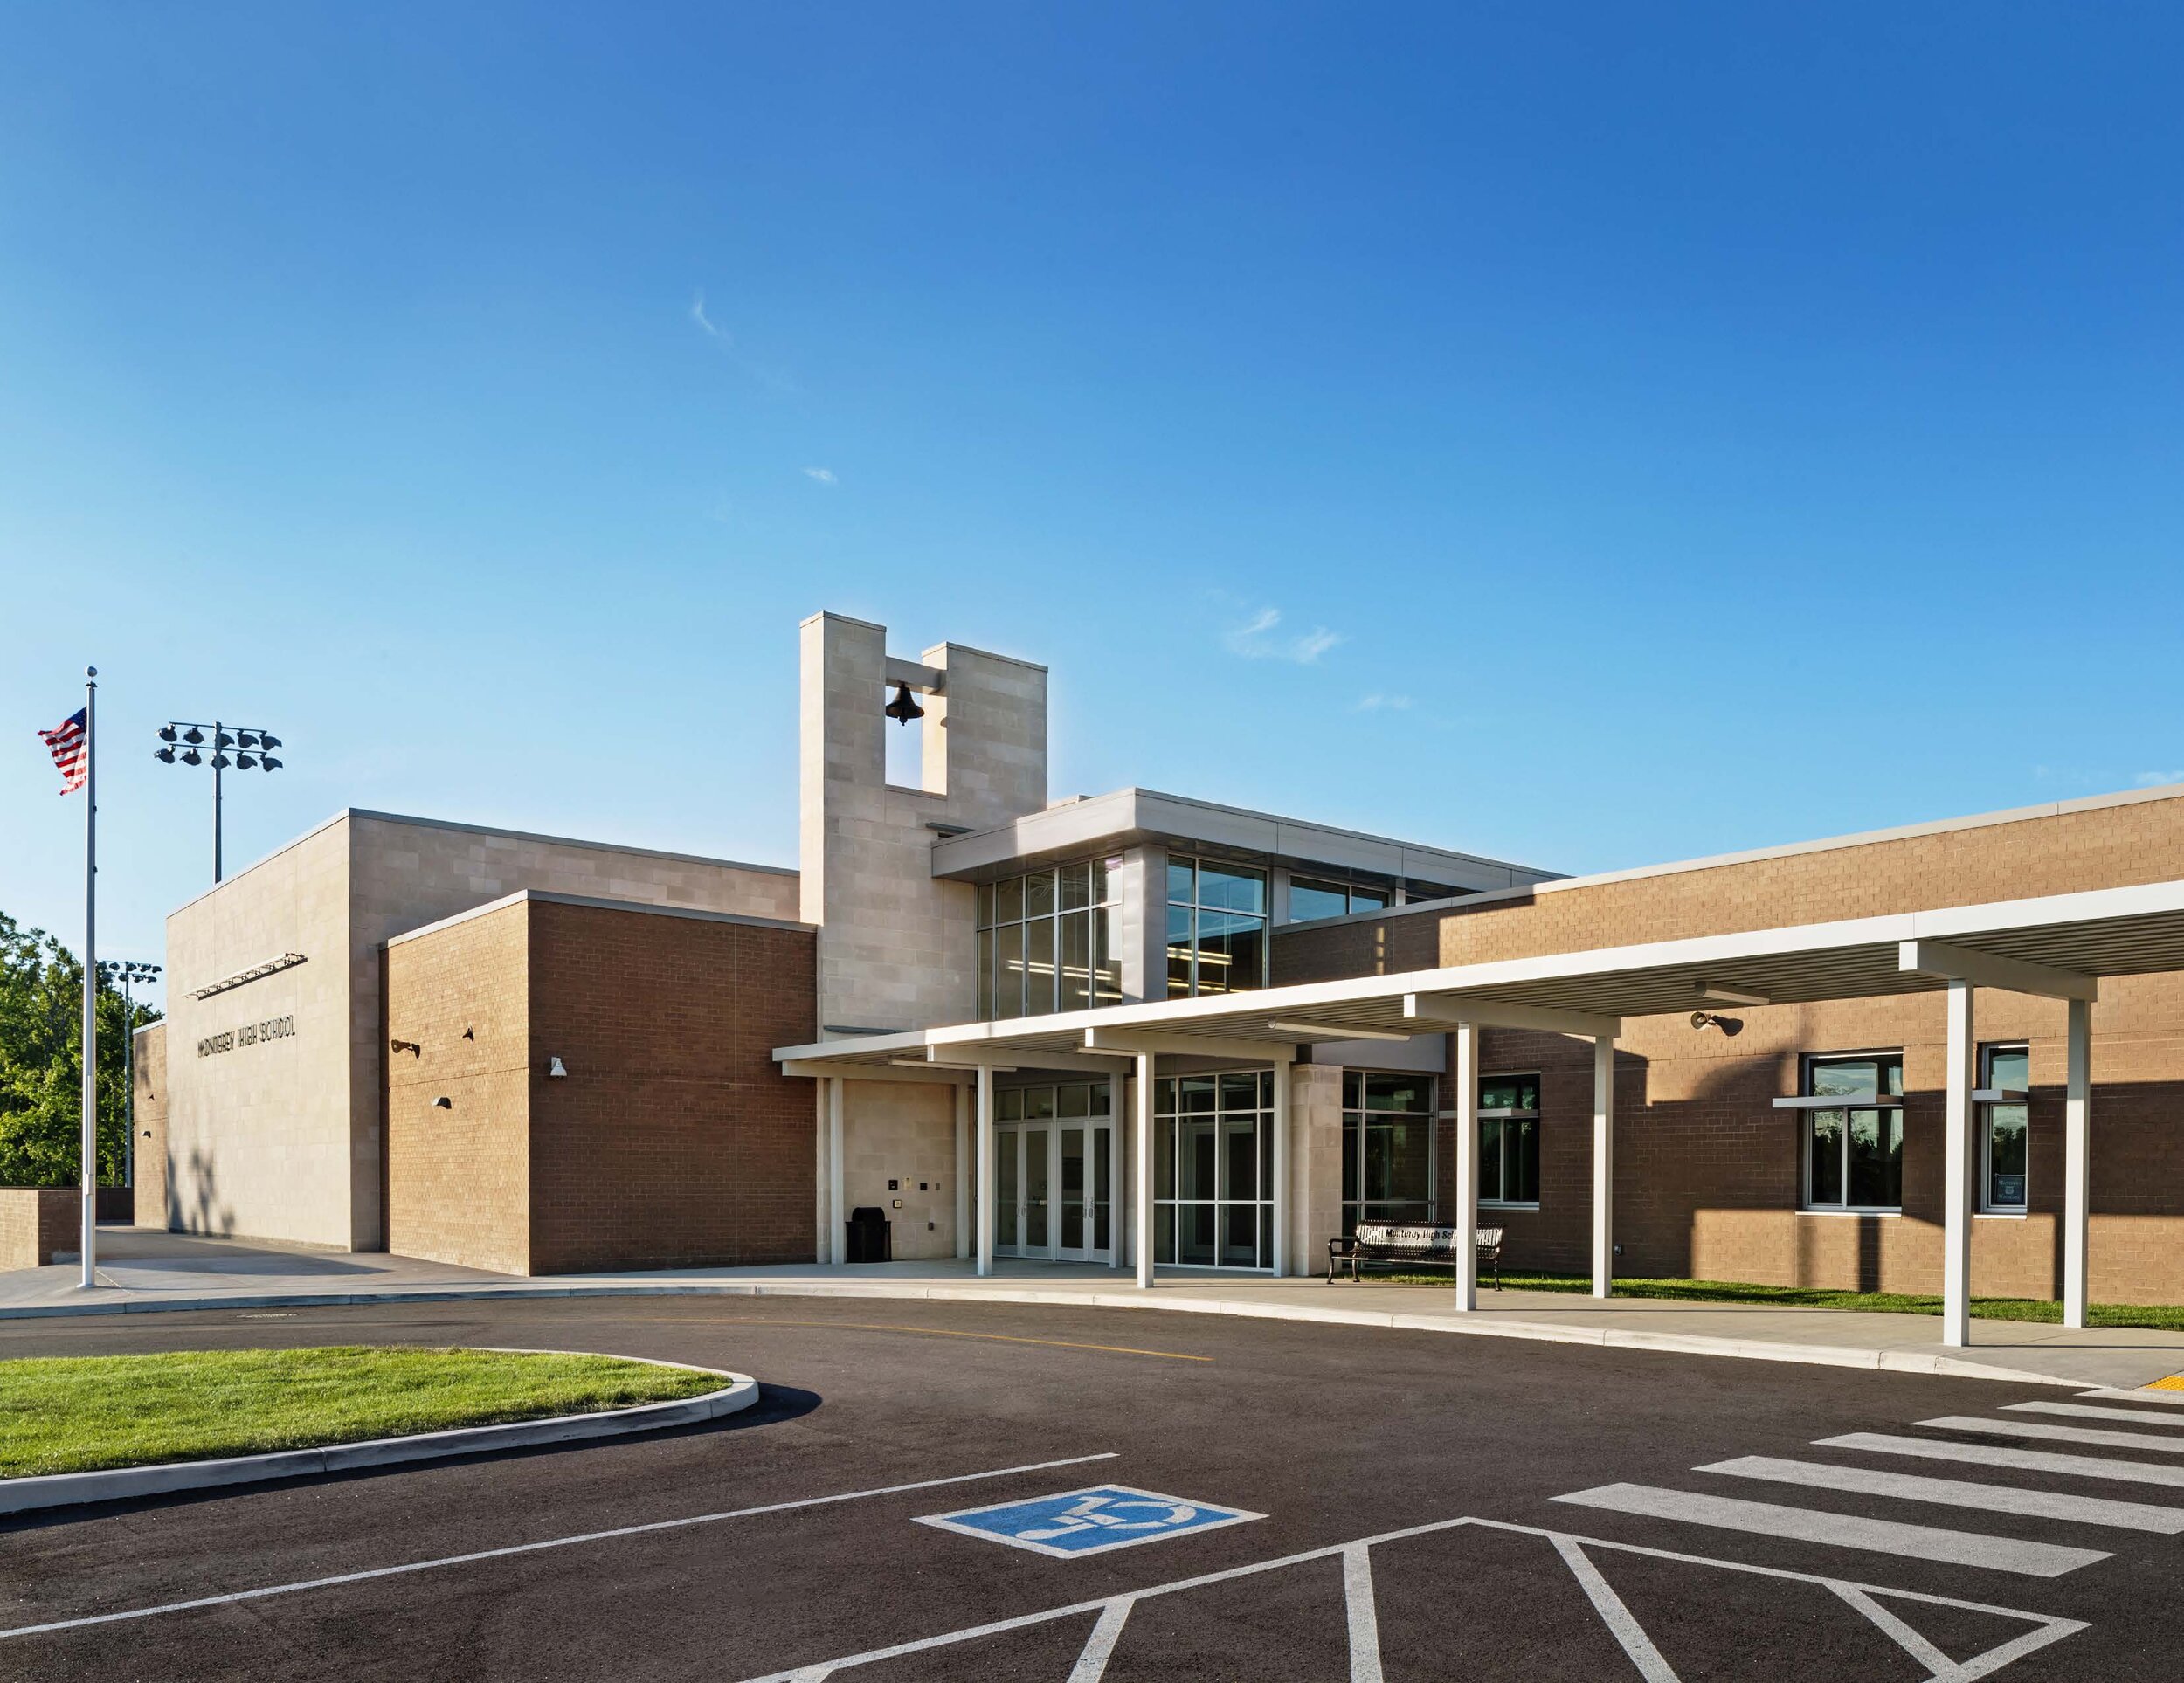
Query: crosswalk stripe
2039	1560
2141	1440
1956	1492
2023	1460
2085	1411
2173	1398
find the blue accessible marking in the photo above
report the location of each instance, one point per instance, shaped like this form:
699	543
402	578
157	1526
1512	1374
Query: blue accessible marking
1089	1521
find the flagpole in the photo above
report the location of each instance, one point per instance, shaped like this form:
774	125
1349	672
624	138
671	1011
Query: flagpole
90	1244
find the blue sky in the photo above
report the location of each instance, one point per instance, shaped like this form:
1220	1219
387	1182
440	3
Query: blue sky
1588	435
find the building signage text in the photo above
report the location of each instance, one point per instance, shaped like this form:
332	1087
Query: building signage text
273	1028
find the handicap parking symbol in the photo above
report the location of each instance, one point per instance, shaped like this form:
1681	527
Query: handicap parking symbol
1089	1521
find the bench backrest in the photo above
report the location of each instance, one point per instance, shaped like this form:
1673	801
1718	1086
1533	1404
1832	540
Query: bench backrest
1418	1235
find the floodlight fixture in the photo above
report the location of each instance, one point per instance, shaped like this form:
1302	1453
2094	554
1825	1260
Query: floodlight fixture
224	737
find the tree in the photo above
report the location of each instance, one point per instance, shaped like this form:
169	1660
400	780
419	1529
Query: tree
41	1063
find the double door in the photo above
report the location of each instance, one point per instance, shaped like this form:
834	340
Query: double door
1054	1190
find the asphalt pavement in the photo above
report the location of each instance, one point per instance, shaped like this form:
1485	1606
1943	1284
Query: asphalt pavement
966	1491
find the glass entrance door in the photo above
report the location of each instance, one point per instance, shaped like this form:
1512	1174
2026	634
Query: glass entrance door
1055	1191
1038	1178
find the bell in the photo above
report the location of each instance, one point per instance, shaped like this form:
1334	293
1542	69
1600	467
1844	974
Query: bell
904	708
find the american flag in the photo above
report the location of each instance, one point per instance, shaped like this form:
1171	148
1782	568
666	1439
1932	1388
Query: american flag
71	746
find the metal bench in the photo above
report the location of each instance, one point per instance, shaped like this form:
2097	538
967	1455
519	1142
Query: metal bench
1409	1244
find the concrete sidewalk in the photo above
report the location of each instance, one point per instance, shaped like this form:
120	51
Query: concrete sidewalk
144	1271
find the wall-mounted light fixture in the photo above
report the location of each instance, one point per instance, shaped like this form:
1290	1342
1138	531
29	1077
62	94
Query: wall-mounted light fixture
443	1103
410	1046
555	1070
1728	1026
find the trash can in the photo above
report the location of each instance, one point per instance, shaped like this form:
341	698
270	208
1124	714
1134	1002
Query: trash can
871	1235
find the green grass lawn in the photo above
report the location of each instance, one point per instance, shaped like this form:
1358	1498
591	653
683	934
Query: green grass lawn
73	1414
2164	1317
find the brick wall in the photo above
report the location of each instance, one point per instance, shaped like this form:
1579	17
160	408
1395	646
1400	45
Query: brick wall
1709	1174
151	1127
675	1140
459	1179
36	1223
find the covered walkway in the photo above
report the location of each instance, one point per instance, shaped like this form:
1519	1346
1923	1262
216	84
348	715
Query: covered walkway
2057	946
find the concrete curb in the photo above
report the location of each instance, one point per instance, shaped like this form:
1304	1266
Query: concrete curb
1931	1362
122	1484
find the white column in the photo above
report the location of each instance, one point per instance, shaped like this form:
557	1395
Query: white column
962	1171
984	1199
1115	1188
1603	1165
837	1216
1956	1175
1142	1192
1281	1131
2077	1104
819	1090
1466	1166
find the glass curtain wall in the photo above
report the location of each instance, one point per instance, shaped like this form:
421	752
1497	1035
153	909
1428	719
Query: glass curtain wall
1216	928
1853	1156
2008	1068
1048	941
1387	1148
1213	1170
1314	897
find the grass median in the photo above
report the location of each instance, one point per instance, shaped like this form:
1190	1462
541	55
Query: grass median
79	1414
2159	1317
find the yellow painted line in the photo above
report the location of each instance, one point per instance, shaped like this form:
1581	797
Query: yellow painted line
928	1332
2174	1382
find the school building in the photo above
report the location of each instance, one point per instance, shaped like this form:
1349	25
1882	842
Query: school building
1149	1031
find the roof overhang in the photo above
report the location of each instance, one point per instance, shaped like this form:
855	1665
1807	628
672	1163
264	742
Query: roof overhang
2058	944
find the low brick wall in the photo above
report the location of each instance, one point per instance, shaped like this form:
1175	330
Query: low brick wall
36	1221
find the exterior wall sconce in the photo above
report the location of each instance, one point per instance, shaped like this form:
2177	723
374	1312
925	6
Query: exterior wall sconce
1728	1026
443	1103
555	1070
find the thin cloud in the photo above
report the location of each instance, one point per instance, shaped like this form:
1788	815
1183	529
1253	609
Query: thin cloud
1379	702
2156	779
1260	637
824	475
705	321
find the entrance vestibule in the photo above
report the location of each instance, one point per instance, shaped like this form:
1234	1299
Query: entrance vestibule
1054	1173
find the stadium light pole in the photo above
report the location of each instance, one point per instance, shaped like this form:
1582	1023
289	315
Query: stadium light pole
128	970
181	740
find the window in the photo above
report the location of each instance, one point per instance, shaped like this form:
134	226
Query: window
1216	928
1854	1156
1213	1170
1314	897
1048	941
2007	1069
1509	1139
1387	1148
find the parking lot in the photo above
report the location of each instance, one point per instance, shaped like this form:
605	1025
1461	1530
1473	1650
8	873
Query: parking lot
938	1491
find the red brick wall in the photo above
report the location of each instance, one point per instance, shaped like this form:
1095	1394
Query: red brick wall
675	1140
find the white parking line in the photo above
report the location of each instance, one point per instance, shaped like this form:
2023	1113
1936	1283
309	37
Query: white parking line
1865	1597
2023	1460
512	1550
1628	1631
2038	1560
1956	1492
1364	1616
2143	1440
2114	1416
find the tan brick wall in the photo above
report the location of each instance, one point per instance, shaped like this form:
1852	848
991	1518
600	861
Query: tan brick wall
1708	1173
459	1179
36	1222
150	1099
